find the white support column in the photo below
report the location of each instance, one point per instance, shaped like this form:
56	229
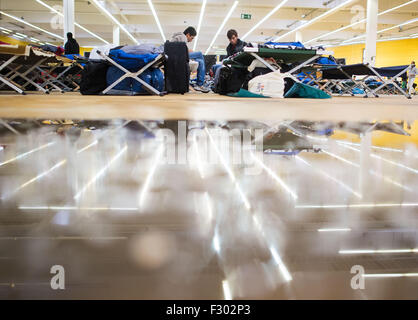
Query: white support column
68	8
371	32
298	36
116	35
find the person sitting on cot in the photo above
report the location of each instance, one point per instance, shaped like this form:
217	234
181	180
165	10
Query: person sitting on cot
187	36
235	46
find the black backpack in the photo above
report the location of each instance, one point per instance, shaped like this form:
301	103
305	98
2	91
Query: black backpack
93	78
176	69
230	80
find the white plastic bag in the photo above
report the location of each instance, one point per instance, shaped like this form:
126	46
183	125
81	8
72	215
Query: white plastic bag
270	84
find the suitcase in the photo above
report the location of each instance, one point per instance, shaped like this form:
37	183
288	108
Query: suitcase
176	69
230	80
93	78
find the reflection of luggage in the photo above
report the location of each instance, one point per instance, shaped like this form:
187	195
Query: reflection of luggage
93	78
177	69
230	80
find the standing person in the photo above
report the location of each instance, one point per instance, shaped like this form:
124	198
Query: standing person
187	36
71	47
235	44
411	78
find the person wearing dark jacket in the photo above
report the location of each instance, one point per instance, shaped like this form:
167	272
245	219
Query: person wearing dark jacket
71	47
235	44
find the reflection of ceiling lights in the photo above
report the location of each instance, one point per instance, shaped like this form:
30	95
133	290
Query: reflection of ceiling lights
31	25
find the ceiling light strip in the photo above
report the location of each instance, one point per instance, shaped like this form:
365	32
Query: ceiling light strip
281	4
31	25
114	20
202	11
304	25
222	25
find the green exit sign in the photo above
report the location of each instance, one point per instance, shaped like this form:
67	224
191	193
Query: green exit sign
246	16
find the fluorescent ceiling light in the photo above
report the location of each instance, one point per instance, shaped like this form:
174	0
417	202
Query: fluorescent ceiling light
334	230
7	30
31	25
336	8
378	251
413	36
19	37
114	20
222	25
389	275
75	23
20	34
397	7
281	4
156	19
383	30
357	206
360	21
202	11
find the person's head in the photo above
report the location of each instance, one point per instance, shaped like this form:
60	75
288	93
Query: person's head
190	33
413	63
69	35
232	36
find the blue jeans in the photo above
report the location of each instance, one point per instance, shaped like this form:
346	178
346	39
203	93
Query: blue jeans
201	71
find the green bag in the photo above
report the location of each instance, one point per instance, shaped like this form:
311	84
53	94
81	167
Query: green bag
300	90
242	93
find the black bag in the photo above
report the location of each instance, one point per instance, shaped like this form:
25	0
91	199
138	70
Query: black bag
230	80
176	69
93	78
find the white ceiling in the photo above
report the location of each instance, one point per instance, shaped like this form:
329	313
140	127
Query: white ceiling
174	15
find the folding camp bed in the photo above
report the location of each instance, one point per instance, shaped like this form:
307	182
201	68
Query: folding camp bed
51	74
283	54
14	58
311	75
346	77
32	65
125	61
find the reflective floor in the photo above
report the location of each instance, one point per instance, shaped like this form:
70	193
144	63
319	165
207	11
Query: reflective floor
209	210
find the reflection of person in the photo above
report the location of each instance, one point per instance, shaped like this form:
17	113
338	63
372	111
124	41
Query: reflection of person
71	47
411	78
187	36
